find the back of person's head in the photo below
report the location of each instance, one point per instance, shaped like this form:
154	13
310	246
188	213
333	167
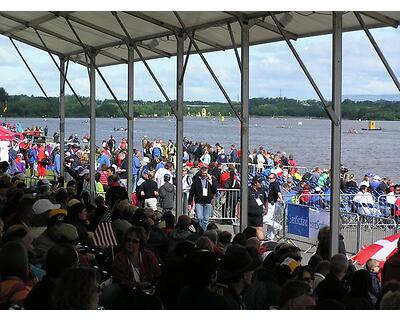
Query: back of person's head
338	264
204	243
200	267
361	283
99	201
296	295
61	196
75	290
60	258
225	237
212	226
390	301
212	235
169	219
239	238
288	251
14	260
250	232
15	233
389	286
313	262
74	210
323	267
183	248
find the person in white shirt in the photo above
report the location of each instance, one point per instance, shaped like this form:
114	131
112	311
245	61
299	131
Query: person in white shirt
186	184
159	177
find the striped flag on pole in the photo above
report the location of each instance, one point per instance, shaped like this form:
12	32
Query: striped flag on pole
104	234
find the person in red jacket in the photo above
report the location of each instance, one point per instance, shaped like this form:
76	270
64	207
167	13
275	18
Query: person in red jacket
135	265
41	161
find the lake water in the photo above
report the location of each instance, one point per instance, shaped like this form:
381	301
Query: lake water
309	142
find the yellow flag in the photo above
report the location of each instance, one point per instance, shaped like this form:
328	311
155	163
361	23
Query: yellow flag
5	107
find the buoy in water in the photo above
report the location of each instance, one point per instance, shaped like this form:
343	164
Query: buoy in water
300	123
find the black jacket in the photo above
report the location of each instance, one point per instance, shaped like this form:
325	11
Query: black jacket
196	191
330	288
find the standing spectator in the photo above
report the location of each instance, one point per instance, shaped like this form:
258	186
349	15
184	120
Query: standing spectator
202	191
161	173
149	191
233	156
275	201
167	194
257	203
186	185
42	162
33	159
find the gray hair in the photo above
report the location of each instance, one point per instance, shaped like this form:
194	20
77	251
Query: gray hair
339	264
391	301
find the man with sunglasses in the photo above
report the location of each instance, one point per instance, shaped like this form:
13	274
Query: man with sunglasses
274	198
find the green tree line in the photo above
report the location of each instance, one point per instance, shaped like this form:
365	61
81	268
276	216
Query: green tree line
30	106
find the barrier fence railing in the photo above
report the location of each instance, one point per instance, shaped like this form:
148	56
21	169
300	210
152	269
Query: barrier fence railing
226	204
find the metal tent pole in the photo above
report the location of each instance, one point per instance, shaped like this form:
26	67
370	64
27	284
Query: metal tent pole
130	119
62	115
92	75
179	125
378	50
244	128
336	132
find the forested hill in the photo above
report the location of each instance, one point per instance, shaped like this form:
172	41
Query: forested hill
29	106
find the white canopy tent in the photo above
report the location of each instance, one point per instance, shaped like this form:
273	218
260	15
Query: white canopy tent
97	39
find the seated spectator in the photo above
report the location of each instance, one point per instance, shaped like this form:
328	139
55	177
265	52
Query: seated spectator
14	272
359	296
200	269
72	281
332	286
296	295
134	265
235	275
59	258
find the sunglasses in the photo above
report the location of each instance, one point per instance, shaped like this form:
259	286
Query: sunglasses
133	240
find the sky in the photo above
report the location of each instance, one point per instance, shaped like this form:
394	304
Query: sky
273	71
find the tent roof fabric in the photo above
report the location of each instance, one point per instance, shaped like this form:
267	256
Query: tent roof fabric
154	33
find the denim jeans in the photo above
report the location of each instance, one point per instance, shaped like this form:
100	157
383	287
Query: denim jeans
203	213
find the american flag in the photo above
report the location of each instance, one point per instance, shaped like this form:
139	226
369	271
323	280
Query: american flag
104	234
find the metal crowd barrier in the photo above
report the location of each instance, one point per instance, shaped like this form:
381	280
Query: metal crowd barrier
226	204
357	229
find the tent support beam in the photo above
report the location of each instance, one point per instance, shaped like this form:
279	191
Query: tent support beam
62	115
179	125
186	62
132	42
29	68
336	132
244	125
130	185
59	69
328	108
95	66
234	47
208	66
378	50
92	78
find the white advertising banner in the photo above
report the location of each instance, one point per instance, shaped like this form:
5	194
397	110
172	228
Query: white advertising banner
317	220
